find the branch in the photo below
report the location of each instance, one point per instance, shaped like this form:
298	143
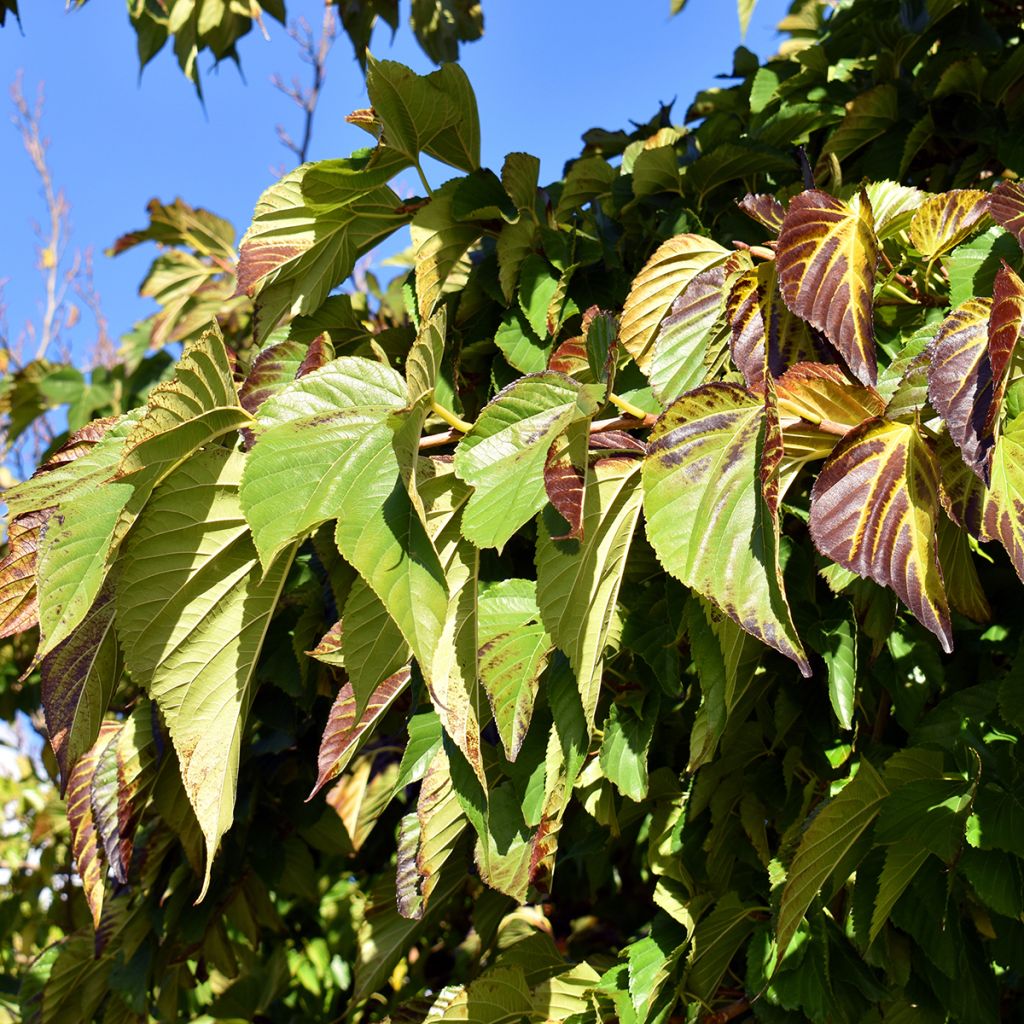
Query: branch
447	437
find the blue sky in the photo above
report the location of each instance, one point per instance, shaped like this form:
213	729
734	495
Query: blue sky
545	71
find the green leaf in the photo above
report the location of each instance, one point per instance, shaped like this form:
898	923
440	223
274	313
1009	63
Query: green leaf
824	844
627	738
707	518
663	279
439	823
514	650
893	541
870	114
192	611
902	862
839	649
499	996
314	439
440	240
503	456
578	580
434	114
309	229
715	942
826	259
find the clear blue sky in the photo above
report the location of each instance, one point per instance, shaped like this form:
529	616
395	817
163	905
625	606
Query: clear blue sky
545	71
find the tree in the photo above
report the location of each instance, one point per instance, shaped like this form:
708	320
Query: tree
636	570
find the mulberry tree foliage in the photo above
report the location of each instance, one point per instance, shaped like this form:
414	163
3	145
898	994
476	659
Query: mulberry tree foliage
610	619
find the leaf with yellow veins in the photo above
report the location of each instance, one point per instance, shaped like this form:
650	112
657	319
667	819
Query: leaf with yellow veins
942	222
826	260
874	510
666	274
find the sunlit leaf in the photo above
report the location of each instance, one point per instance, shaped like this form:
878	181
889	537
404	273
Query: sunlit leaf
826	263
664	277
942	222
192	610
347	728
578	580
874	509
707	518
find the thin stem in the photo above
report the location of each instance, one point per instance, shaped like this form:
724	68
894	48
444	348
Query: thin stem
423	178
453	421
628	407
447	437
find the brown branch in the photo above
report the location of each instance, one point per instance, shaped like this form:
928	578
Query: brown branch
313	50
728	1013
616	423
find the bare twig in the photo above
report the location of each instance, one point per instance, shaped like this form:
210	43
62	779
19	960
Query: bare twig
313	50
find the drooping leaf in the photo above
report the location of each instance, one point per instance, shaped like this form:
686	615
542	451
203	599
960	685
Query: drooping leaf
362	795
960	385
192	611
578	580
942	222
123	778
707	518
514	649
309	229
627	738
826	264
346	727
824	844
78	679
874	509
19	608
503	456
902	861
439	824
440	241
664	277
823	395
1004	328
85	841
765	209
715	941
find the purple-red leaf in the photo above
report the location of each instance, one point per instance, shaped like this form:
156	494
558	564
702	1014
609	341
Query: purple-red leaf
826	260
960	382
1006	207
1004	327
344	731
766	210
874	510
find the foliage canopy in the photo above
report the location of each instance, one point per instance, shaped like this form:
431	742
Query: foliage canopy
610	619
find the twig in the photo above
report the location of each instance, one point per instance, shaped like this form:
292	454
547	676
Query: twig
313	50
598	426
728	1013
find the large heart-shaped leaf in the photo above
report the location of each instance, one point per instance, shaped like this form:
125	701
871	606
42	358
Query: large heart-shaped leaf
942	222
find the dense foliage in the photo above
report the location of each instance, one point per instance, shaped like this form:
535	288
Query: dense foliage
611	619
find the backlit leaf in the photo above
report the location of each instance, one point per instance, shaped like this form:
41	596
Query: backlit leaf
823	395
192	611
765	209
664	277
85	840
944	221
309	229
578	580
346	728
514	649
874	510
826	263
434	114
19	608
1006	207
1004	327
706	516
78	679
